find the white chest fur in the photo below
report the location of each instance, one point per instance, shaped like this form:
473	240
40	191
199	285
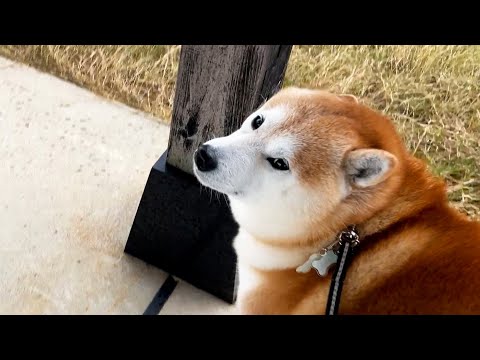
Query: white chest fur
267	257
253	254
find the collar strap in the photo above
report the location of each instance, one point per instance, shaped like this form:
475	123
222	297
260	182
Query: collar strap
348	241
340	254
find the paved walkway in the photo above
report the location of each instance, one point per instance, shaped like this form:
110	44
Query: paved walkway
72	170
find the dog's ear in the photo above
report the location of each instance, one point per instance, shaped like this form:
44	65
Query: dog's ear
369	167
349	97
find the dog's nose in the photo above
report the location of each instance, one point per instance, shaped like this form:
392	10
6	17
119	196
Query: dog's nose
204	158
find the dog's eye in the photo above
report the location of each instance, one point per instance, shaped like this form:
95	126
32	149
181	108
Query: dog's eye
279	164
257	121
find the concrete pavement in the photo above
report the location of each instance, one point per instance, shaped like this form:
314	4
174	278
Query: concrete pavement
72	170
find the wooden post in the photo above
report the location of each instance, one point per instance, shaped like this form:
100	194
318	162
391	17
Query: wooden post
217	88
179	228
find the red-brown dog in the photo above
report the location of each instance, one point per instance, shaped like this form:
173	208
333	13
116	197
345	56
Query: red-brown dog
306	165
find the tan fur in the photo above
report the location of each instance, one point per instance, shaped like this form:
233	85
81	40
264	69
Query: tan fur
417	254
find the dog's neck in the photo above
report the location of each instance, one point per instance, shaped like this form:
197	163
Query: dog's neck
265	256
408	201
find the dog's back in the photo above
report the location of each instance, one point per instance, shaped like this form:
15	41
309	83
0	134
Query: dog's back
438	257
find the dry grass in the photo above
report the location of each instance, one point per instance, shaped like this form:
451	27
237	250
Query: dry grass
140	76
431	92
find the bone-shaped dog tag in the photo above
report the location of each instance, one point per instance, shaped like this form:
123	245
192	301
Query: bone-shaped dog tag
324	264
305	268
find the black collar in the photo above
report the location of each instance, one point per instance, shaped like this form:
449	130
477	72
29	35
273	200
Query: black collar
348	240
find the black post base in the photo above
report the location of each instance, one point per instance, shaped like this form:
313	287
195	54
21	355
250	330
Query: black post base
186	231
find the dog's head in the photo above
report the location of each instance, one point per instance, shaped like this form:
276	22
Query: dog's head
302	157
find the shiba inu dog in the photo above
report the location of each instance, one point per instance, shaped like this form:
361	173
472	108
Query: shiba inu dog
309	163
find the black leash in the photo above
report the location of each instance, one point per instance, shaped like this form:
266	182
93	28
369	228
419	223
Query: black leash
161	296
169	285
346	245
